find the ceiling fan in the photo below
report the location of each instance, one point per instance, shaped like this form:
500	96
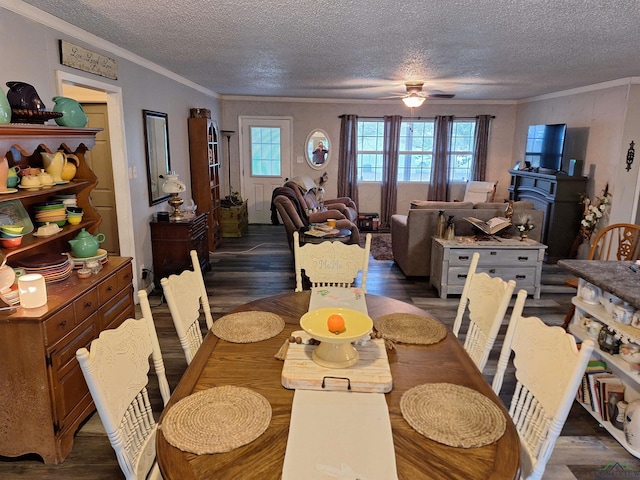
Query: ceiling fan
415	97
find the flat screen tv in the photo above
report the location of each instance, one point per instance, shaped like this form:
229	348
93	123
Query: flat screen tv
545	145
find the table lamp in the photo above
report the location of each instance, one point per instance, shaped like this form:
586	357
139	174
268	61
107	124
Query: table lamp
174	187
33	290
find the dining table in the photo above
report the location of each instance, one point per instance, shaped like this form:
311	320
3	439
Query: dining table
254	365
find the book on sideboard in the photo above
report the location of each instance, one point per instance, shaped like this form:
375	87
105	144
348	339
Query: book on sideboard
491	226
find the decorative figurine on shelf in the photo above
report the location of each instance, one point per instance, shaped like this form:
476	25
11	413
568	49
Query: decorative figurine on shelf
450	232
508	212
174	187
524	226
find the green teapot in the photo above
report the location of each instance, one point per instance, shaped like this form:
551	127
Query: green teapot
72	113
85	245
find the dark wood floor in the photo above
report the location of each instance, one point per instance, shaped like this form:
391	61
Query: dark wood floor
259	265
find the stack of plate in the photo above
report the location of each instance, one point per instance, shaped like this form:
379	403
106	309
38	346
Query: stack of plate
53	212
68	199
11	296
78	263
53	267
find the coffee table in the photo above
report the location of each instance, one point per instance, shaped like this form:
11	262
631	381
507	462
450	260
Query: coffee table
507	258
343	236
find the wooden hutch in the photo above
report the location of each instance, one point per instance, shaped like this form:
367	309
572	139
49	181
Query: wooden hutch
204	154
43	394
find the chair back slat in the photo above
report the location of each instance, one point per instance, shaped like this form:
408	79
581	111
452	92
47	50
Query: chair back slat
187	299
484	301
331	263
548	370
619	241
116	371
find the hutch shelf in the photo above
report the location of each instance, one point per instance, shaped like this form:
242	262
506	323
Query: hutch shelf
204	154
43	394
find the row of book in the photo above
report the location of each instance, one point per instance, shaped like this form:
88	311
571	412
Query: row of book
600	389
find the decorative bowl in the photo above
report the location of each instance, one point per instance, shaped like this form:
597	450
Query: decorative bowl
11	242
336	349
630	353
74	219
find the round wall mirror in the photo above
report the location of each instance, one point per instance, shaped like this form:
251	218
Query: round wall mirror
317	149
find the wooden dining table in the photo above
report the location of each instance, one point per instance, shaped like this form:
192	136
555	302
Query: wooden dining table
254	366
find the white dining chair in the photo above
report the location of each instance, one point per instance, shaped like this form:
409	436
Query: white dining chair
486	299
186	296
116	370
331	264
548	371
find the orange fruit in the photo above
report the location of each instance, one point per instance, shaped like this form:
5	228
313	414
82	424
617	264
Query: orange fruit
335	323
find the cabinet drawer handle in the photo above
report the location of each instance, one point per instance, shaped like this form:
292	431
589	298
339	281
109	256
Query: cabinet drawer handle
465	257
63	323
520	277
523	259
493	253
88	304
461	275
109	288
492	270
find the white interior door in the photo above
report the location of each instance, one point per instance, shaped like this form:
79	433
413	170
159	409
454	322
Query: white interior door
266	162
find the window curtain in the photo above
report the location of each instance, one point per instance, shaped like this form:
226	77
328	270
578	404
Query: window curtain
439	186
347	158
483	126
390	148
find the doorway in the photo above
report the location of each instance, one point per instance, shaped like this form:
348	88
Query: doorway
91	90
265	152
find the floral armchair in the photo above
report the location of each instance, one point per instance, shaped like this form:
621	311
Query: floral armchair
338	208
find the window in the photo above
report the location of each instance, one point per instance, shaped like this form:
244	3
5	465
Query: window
265	151
461	150
415	151
370	141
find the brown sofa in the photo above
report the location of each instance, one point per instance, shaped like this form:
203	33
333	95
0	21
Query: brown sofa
411	234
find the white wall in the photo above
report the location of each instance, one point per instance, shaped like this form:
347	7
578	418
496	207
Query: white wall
30	54
312	114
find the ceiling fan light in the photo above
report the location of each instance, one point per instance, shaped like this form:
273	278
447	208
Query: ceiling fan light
413	100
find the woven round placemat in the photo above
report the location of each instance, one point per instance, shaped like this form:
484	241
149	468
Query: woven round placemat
216	420
453	415
248	327
410	328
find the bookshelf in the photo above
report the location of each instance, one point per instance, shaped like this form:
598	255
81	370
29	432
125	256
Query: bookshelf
615	363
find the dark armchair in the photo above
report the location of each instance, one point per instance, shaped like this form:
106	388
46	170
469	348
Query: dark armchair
294	218
305	189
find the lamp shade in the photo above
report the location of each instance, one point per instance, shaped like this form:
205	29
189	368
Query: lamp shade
33	290
413	100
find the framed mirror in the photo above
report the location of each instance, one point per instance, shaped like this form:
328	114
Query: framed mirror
156	145
317	149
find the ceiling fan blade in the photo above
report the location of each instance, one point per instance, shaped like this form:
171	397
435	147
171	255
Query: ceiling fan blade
441	95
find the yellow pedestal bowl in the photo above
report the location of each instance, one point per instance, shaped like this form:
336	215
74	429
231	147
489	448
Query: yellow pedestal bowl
336	350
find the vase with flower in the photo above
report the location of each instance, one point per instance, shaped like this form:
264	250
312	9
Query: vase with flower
524	226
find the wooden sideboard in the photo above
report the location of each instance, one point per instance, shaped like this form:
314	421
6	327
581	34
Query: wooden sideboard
559	196
43	394
172	241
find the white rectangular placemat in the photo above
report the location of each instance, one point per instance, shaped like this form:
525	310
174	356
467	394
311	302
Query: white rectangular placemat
327	297
343	435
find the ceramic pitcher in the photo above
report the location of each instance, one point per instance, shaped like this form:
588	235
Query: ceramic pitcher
5	109
72	113
54	164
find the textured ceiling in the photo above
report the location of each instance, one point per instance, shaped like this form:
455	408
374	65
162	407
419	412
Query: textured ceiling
363	49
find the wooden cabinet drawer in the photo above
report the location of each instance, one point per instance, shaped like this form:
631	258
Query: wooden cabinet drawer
85	305
497	257
73	393
59	325
125	277
117	310
107	289
524	277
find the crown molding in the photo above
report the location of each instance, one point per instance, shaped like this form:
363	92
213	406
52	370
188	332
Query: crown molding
48	20
621	82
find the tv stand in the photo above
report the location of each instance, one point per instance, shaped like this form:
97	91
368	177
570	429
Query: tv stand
559	197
